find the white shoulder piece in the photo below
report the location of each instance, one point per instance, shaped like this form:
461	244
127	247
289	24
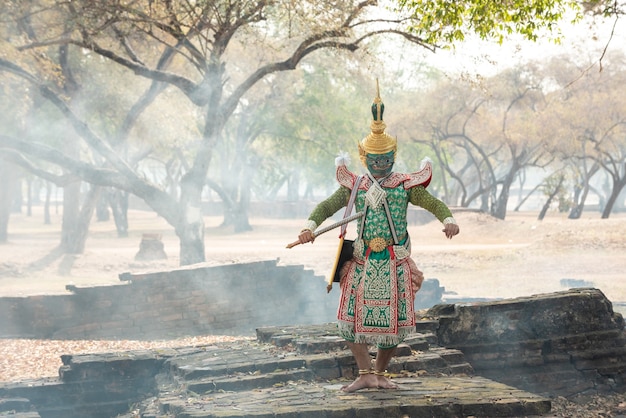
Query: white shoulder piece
342	159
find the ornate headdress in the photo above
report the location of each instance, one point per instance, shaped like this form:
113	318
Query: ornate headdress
377	142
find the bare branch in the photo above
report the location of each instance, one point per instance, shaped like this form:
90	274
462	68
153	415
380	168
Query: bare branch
19	159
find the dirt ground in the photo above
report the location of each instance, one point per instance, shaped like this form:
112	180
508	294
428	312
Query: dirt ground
491	258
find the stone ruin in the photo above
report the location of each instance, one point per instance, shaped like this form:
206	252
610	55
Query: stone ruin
497	358
151	248
562	343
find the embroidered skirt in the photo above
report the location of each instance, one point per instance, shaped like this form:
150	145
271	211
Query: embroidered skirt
376	304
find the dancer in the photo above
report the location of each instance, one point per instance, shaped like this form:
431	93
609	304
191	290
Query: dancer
379	283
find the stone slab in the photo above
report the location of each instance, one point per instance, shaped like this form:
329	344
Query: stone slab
415	397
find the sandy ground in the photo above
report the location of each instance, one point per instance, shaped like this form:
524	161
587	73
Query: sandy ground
491	258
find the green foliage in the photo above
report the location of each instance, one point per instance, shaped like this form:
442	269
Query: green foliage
321	112
555	187
447	22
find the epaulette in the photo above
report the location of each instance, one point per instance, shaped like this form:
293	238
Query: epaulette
422	177
419	178
345	177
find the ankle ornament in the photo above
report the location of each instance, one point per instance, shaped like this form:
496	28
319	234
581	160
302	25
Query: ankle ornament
363	372
381	373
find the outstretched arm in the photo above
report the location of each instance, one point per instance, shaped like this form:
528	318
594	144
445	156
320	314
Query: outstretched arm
323	211
419	196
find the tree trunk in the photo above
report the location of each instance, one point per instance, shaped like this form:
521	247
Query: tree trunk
102	209
525	198
29	197
499	211
245	187
544	209
293	186
579	207
308	192
580	195
242	222
191	236
484	202
190	226
7	194
71	206
546	206
503	199
70	227
620	205
84	219
46	206
118	201
579	203
17	195
617	189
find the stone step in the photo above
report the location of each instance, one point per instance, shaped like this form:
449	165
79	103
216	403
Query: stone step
244	382
426	326
15	414
310	339
17	407
598	354
56	408
437	362
221	361
415	397
216	362
91	410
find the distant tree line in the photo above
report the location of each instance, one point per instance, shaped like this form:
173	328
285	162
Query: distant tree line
172	101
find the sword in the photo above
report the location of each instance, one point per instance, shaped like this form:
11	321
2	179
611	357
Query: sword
330	227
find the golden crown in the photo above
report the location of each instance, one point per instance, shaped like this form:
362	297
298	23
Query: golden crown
378	141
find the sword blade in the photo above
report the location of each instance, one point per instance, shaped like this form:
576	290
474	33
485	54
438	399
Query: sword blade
338	224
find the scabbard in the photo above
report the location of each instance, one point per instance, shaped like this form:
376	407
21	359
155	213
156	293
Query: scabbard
329	287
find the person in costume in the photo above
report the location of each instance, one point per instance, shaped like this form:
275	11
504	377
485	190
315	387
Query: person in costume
379	283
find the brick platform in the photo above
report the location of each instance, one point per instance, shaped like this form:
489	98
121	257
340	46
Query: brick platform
299	371
286	372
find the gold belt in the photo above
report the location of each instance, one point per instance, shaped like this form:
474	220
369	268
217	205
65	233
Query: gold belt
378	244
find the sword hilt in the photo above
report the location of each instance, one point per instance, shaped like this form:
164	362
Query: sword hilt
330	227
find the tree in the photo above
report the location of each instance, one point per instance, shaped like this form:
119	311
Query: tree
449	22
192	47
485	136
552	188
590	126
194	42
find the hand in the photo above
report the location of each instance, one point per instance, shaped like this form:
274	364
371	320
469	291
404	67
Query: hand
306	236
451	230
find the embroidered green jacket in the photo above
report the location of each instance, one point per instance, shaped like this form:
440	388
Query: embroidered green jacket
401	189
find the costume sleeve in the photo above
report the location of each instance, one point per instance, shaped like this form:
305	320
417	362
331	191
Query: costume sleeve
328	207
419	196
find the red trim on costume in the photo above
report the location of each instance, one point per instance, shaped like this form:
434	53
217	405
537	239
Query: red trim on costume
420	178
348	291
346	177
392	304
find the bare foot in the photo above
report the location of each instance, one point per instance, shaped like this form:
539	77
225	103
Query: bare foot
362	382
385	383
